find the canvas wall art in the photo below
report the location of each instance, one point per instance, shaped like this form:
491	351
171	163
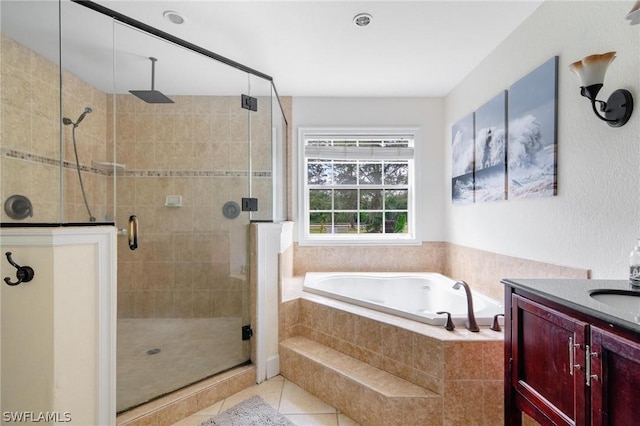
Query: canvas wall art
462	161
491	150
532	149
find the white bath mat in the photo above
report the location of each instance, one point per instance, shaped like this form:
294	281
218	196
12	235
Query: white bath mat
251	412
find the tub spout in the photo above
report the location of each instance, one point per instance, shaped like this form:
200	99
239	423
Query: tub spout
471	323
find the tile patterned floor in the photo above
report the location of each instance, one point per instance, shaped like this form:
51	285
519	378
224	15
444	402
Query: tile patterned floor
292	401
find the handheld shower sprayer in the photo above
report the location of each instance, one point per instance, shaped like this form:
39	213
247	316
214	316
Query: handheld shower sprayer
66	121
86	111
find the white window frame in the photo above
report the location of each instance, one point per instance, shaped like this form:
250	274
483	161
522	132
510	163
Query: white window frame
413	207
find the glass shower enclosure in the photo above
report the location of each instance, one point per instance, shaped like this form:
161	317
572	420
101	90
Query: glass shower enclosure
122	124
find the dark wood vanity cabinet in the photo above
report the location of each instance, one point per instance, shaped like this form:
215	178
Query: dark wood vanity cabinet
615	385
565	368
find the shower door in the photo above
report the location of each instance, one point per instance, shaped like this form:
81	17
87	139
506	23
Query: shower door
183	169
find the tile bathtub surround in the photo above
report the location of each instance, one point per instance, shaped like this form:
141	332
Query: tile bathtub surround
425	257
483	270
437	360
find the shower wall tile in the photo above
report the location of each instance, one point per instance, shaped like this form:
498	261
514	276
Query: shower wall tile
45	136
15	56
17	90
45	100
16	128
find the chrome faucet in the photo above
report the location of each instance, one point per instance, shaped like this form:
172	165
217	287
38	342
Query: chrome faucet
471	323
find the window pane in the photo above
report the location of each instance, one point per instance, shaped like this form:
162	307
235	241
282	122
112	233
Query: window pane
318	142
345	173
344	143
370	173
369	143
370	199
396	222
345	222
396	173
396	199
363	187
319	223
319	199
399	143
318	173
371	222
346	199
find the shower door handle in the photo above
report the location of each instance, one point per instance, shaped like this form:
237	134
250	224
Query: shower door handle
133	232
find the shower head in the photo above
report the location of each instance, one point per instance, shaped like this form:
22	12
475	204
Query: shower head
152	96
86	111
66	121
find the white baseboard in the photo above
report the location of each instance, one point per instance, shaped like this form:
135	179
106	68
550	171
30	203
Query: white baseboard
273	366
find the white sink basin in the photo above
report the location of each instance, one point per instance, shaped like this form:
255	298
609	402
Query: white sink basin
624	300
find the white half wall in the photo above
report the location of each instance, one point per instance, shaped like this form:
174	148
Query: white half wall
272	239
594	219
58	330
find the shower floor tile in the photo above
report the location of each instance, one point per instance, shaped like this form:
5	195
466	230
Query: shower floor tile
156	356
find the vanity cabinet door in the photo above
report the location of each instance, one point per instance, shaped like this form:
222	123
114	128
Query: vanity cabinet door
615	382
548	350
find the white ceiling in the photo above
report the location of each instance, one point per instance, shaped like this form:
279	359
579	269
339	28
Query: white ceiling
313	48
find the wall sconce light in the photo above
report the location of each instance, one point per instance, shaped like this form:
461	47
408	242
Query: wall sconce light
590	71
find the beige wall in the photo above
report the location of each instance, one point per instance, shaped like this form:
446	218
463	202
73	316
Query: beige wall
593	221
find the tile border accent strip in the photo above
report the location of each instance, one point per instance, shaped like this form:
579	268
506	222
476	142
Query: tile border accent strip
35	158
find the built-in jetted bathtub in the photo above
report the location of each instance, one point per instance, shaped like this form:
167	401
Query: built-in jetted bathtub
413	295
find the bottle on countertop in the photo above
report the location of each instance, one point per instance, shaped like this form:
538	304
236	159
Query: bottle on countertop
634	265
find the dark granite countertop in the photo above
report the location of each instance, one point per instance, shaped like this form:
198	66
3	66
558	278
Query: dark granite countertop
575	294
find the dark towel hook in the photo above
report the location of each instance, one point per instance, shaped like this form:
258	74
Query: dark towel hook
23	273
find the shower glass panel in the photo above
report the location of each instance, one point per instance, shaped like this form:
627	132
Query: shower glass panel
87	58
30	112
279	154
183	295
260	133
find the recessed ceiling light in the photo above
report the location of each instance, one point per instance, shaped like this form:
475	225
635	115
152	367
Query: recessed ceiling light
174	17
362	19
